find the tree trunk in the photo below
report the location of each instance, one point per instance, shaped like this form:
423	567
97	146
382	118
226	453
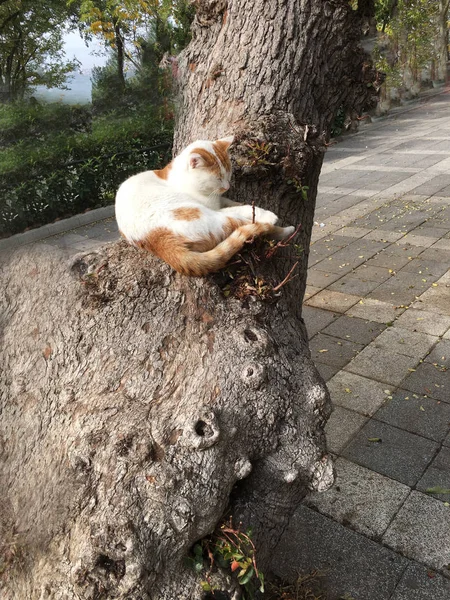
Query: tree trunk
138	406
273	73
120	52
443	39
366	12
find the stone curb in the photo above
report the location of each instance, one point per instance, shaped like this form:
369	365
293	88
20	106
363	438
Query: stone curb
41	233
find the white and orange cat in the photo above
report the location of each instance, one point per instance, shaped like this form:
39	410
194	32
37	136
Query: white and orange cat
178	212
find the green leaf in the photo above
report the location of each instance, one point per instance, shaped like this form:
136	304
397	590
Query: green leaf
205	586
437	490
261	581
246	578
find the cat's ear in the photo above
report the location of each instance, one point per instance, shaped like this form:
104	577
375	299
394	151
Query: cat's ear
195	161
226	142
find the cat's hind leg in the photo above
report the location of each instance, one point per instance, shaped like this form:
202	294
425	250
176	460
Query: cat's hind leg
245	211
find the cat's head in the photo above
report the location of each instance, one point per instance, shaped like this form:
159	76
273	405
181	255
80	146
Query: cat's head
207	166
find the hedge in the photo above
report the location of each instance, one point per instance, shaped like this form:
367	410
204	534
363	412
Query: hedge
69	172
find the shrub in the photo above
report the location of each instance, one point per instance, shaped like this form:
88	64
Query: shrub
74	171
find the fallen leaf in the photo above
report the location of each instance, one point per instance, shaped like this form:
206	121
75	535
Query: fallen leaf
378	440
438	490
234	565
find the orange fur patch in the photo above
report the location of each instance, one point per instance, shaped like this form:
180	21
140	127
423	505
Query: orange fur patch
220	148
211	162
186	214
231	225
203	245
163	173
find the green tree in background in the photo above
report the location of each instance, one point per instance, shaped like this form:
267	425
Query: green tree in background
166	31
408	47
31	46
126	26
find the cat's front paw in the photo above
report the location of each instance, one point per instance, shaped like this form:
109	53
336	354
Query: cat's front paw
265	216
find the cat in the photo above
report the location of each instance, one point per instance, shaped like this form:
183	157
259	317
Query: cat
179	213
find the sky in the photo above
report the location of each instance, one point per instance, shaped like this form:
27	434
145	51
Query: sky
74	45
80	84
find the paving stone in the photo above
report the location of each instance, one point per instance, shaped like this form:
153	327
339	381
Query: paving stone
353	232
375	310
310	291
317	255
440	354
405	341
401	455
430	381
352	565
321	279
420	583
331	243
349	284
434	229
333	301
357	393
326	371
342	425
436	254
429	269
381	364
425	321
335	206
389	260
421	531
437	477
401	249
330	265
435	299
380	235
401	288
378	274
356	330
316	319
419	240
434	185
416	413
442	244
360	499
333	351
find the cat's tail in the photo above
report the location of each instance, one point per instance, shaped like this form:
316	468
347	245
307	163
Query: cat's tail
198	264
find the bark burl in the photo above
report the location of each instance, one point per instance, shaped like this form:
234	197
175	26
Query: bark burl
137	404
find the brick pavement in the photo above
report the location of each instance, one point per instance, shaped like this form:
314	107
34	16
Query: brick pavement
377	310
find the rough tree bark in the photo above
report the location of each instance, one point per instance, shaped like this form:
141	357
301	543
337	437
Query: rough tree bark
442	43
137	404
